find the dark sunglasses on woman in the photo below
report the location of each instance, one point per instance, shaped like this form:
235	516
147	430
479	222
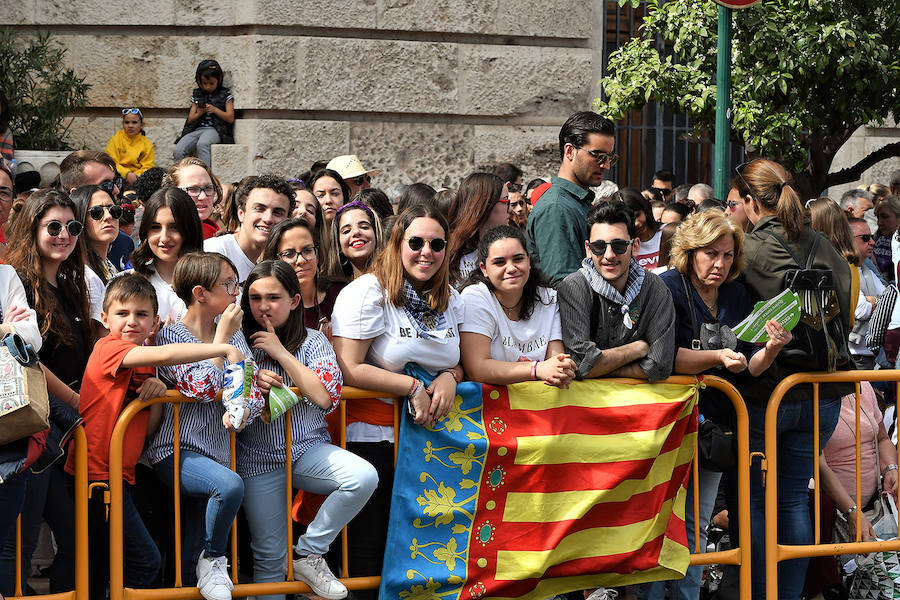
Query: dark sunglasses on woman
96	212
54	228
416	243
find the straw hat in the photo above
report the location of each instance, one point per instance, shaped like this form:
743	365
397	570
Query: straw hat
349	166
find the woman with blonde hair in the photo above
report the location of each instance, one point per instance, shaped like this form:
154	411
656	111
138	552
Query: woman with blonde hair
706	257
826	216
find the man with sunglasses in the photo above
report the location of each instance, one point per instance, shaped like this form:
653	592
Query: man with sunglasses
557	226
664	183
351	170
617	319
871	287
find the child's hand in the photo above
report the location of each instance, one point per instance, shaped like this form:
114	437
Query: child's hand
229	323
226	421
233	355
268	340
151	388
266	380
210	109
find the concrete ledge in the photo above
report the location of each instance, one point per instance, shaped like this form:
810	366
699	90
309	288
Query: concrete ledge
230	162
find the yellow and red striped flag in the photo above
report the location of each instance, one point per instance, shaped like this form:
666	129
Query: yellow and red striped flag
527	491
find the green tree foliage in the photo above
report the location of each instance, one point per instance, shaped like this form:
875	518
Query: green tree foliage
805	75
41	91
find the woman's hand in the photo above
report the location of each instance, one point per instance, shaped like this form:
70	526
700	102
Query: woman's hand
557	370
226	421
733	361
268	341
421	404
890	482
229	322
868	533
779	337
15	314
266	380
442	391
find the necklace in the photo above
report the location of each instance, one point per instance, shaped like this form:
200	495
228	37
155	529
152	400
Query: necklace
712	307
509	309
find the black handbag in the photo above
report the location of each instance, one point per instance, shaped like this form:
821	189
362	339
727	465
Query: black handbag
715	441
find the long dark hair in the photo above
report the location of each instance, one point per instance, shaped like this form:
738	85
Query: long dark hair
184	212
293	333
636	202
530	295
82	199
270	252
26	259
475	199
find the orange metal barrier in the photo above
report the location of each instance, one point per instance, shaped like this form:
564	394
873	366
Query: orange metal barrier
735	556
79	448
776	552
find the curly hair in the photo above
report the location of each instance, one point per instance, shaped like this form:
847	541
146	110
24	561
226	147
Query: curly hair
269	182
701	230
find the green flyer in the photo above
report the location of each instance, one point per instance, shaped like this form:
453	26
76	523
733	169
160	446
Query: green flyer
784	308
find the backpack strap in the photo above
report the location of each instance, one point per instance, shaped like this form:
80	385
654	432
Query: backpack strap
695	331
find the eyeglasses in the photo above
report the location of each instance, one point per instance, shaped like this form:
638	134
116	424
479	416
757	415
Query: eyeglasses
598	247
231	286
739	170
601	157
96	212
290	255
194	191
416	243
866	237
111	187
54	228
730	204
362	179
132	111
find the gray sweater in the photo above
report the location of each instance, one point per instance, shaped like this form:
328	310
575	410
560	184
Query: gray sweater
654	322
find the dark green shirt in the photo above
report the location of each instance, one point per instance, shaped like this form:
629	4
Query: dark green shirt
557	229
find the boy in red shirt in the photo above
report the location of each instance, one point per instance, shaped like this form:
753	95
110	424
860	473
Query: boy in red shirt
119	370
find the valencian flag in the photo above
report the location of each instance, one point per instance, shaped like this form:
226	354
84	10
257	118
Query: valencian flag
527	491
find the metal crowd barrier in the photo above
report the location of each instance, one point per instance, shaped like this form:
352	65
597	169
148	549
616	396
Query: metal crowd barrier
776	552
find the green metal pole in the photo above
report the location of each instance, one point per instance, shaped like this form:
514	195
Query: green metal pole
723	104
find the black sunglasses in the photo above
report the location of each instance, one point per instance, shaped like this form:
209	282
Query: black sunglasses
362	179
866	237
96	212
598	247
110	186
416	243
54	228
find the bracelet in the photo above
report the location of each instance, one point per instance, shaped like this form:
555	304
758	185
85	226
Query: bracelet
850	511
534	365
891	467
452	371
413	390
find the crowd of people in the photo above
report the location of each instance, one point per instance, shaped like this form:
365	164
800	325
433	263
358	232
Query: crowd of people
130	283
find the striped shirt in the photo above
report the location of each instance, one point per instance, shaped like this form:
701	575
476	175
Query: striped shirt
260	447
201	428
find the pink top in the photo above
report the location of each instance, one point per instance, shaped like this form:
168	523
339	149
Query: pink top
840	452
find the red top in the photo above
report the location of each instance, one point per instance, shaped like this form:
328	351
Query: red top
105	390
210	229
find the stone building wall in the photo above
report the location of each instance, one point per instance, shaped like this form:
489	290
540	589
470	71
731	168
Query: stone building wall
425	90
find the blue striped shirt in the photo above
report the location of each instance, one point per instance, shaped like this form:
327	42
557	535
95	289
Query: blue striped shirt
201	428
260	447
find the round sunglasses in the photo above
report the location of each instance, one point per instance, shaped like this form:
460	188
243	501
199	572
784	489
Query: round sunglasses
54	228
416	243
598	247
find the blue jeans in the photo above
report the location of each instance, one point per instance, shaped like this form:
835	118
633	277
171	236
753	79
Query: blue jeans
688	588
201	139
12	498
795	468
324	469
205	478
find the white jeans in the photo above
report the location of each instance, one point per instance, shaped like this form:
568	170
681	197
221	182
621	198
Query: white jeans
324	469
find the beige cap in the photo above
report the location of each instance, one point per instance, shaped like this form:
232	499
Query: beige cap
349	166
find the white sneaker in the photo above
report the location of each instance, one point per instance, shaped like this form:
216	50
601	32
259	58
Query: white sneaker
213	579
603	594
313	571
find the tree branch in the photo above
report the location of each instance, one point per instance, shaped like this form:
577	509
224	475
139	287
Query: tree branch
851	174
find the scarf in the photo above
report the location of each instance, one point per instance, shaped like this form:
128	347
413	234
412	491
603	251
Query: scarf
429	323
602	287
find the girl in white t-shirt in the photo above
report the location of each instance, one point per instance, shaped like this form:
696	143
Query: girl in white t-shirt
170	228
510	330
645	226
404	311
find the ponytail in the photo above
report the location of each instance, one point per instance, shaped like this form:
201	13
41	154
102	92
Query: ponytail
772	187
789	211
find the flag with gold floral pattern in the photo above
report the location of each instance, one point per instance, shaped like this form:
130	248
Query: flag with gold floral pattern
528	491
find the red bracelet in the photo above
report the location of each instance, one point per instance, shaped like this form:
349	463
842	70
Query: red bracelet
534	365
